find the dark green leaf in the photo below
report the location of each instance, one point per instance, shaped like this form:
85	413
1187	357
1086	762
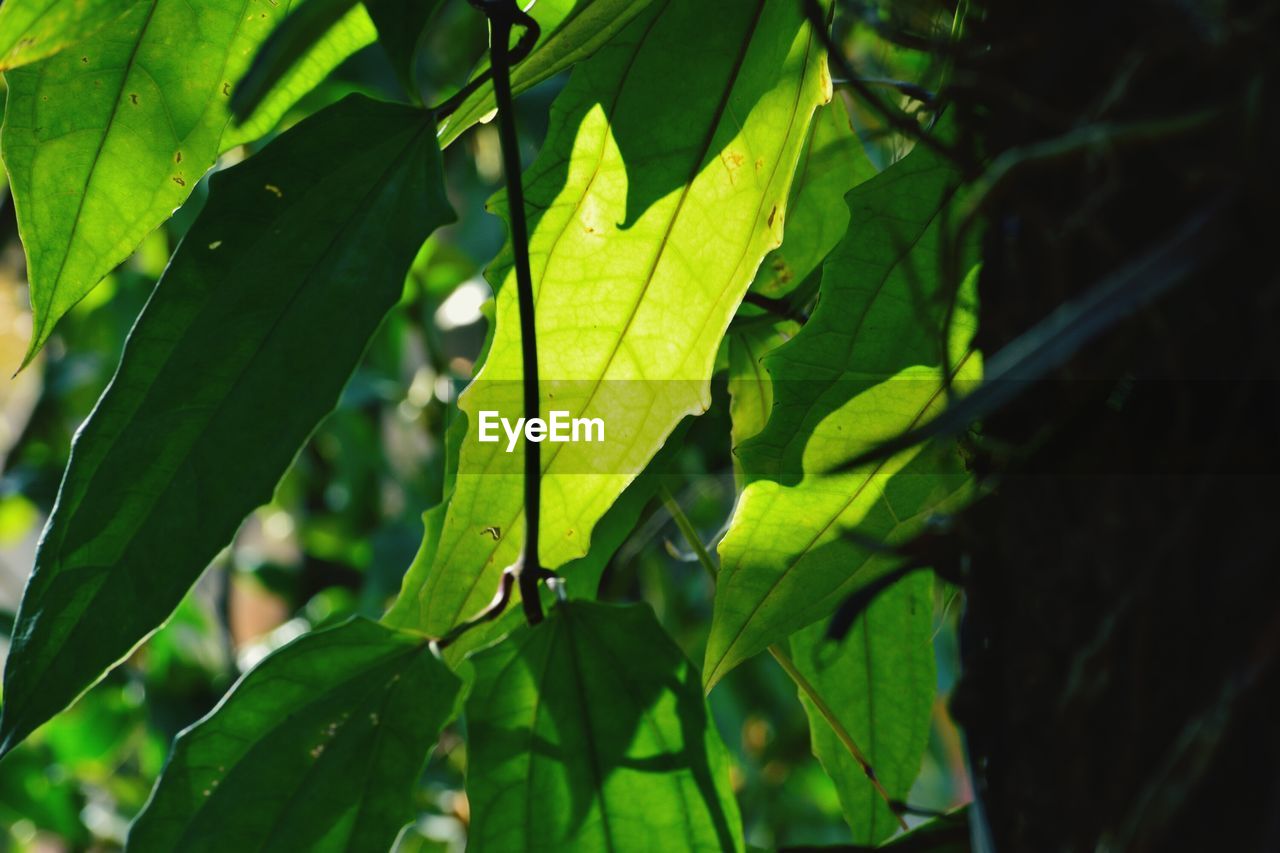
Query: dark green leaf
590	732
400	24
316	749
220	383
750	391
880	682
866	366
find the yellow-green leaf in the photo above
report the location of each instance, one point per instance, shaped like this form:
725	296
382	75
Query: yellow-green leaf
103	143
30	30
572	30
833	162
649	215
868	365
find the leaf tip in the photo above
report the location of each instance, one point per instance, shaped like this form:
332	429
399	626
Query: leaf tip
39	334
10	735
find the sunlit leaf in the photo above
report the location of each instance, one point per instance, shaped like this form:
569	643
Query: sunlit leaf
644	237
31	30
292	42
103	143
572	30
832	163
316	749
867	365
220	383
590	732
880	682
581	576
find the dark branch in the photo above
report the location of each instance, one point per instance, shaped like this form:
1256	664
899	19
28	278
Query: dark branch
503	15
896	119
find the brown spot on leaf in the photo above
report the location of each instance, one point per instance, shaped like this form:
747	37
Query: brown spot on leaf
177	157
85	60
772	214
732	161
133	98
179	181
226	89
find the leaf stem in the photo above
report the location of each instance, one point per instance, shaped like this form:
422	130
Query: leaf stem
789	667
503	15
686	530
783	659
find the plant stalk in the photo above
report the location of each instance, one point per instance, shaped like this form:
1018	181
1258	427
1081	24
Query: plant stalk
503	15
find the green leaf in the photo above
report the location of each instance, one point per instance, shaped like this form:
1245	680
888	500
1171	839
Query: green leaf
305	27
948	833
31	30
832	163
581	576
644	237
104	142
590	732
880	682
750	391
572	30
317	748
220	383
400	26
867	365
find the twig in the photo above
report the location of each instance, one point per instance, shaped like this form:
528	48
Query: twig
896	118
503	15
781	307
450	104
494	608
492	611
911	90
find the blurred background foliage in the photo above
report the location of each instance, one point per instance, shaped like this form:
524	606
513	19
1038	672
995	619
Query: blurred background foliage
346	519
